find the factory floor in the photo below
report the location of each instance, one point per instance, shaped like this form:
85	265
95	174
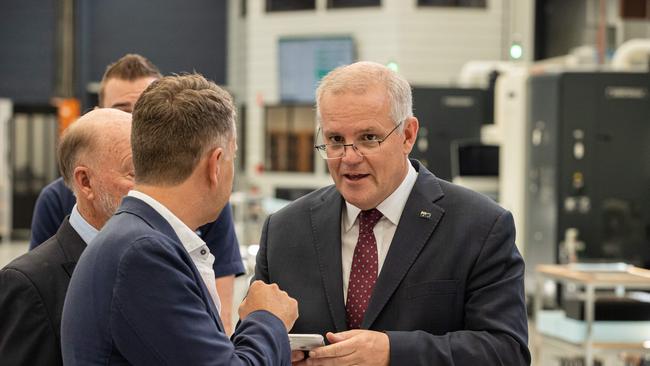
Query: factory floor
12	249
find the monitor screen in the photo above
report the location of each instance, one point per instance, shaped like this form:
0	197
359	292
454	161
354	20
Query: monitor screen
475	159
303	62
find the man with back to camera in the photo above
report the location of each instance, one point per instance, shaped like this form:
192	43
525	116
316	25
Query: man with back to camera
94	158
121	86
142	293
394	265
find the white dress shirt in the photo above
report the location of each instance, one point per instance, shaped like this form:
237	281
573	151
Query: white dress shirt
384	231
86	231
195	246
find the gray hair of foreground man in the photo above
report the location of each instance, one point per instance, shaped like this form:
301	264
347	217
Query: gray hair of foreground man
175	122
359	77
88	139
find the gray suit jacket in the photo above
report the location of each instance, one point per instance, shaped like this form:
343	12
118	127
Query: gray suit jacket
451	290
32	290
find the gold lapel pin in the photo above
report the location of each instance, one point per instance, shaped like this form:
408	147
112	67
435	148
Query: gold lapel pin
425	215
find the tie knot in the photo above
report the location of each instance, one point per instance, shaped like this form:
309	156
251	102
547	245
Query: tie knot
369	218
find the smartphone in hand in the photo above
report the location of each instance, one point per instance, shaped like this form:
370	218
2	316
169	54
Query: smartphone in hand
305	342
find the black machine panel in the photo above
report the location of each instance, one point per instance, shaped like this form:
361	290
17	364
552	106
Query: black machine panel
446	115
589	168
476	160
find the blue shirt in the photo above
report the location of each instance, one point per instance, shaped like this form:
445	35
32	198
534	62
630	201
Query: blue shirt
56	201
86	231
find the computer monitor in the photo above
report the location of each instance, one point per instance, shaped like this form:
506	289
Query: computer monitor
476	166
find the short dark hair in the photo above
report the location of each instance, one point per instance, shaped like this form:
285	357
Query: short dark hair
130	67
176	120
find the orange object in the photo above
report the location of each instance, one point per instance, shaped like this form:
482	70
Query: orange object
68	110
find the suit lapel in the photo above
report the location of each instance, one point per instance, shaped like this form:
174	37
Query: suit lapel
418	221
326	226
68	267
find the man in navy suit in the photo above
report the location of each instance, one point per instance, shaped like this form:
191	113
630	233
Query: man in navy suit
392	264
143	292
94	157
121	86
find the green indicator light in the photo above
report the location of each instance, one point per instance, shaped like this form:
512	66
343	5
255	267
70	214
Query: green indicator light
516	51
393	66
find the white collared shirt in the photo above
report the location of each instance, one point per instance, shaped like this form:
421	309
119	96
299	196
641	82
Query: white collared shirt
195	246
384	231
86	231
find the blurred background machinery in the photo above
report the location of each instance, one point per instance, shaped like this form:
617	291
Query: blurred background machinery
589	168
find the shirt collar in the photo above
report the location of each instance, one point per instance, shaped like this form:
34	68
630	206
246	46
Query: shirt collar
86	231
188	238
392	206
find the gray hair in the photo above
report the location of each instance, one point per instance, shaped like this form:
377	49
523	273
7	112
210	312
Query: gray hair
359	77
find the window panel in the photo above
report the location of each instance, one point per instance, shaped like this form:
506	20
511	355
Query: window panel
289	5
352	3
290	138
454	3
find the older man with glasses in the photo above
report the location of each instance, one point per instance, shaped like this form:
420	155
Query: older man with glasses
392	264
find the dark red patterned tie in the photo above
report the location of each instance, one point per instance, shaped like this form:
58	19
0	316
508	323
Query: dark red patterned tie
363	273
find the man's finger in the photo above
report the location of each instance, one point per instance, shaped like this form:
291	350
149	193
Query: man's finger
341	336
333	350
297	356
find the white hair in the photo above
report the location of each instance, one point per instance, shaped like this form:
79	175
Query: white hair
359	77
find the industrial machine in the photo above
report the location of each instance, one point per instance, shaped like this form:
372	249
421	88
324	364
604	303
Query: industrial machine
588	168
446	115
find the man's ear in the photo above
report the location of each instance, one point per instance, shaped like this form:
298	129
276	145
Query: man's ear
213	167
82	182
411	126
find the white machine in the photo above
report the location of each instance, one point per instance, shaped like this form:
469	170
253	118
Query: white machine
510	115
6	110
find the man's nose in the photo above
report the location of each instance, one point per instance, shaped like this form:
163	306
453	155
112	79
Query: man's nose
351	155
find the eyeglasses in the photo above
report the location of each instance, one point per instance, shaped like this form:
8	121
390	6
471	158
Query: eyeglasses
362	147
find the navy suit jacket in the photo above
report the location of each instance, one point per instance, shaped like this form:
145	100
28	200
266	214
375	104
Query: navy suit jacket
450	292
32	289
137	298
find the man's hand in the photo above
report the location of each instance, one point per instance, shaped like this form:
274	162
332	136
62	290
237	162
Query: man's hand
354	347
297	356
270	298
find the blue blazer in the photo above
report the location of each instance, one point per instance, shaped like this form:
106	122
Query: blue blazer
137	298
450	292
